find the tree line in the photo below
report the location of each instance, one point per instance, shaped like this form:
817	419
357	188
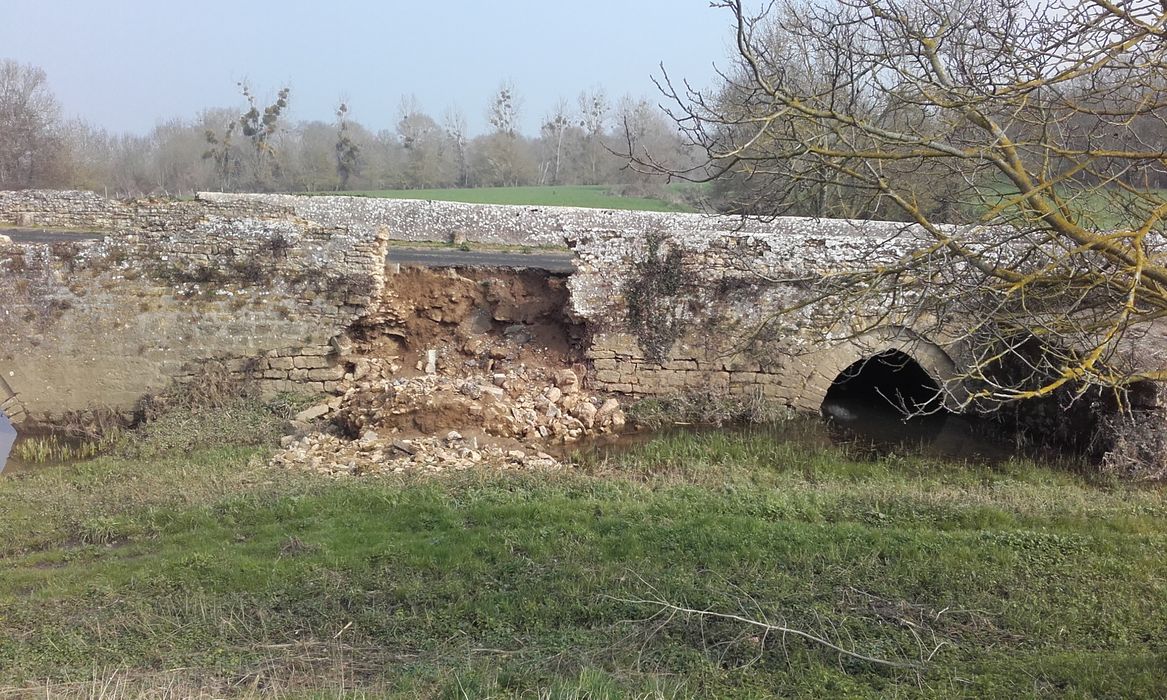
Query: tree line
821	112
257	147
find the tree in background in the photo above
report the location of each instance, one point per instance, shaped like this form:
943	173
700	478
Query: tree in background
31	143
504	158
256	156
261	129
503	111
647	132
556	125
222	152
593	119
348	153
1039	121
176	165
90	153
426	158
309	158
454	123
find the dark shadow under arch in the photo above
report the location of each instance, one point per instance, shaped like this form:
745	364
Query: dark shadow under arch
886	397
890	380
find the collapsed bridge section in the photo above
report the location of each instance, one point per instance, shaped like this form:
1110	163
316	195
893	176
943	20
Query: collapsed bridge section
669	302
658	303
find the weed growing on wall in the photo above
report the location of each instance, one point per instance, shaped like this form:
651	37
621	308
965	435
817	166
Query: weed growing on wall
653	294
217	409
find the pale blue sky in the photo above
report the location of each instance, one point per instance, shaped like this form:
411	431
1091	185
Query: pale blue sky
126	64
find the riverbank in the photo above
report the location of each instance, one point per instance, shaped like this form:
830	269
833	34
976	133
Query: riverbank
182	572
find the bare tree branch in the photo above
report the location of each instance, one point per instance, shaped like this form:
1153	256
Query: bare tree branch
1024	141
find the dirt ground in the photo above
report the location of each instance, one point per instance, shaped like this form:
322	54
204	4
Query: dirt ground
492	317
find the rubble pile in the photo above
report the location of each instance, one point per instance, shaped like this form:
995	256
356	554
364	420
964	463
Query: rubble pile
394	425
372	454
457	369
523	404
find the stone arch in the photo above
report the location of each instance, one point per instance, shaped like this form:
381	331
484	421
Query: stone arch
827	365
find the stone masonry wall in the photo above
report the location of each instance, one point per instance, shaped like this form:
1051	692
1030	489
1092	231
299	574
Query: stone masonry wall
735	276
179	285
78	210
268	283
61	209
434	221
721	324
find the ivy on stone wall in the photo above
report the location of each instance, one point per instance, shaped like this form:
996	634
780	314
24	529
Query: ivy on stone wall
653	294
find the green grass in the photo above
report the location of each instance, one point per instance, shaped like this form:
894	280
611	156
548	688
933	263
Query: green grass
1099	207
589	196
210	571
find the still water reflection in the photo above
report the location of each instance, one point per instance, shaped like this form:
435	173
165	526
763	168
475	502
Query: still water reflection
7	437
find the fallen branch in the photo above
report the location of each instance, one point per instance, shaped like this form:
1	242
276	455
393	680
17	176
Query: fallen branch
674	609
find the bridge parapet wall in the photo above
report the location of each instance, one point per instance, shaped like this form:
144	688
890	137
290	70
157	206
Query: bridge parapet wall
736	276
88	211
745	314
61	209
105	322
434	221
264	282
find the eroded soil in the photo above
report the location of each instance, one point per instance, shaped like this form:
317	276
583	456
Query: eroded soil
458	368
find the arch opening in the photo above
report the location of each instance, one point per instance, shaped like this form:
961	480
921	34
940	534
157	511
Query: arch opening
891	381
887	397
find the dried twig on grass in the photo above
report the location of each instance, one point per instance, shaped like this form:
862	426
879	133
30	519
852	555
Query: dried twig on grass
769	628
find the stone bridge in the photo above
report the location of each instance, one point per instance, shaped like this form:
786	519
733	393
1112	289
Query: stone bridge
272	284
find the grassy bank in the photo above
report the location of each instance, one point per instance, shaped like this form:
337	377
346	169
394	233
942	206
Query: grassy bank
590	196
212	572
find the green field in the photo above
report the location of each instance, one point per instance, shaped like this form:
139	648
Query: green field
590	196
208	571
1103	209
1099	207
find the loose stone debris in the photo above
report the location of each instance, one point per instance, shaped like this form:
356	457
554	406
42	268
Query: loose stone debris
463	373
505	419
